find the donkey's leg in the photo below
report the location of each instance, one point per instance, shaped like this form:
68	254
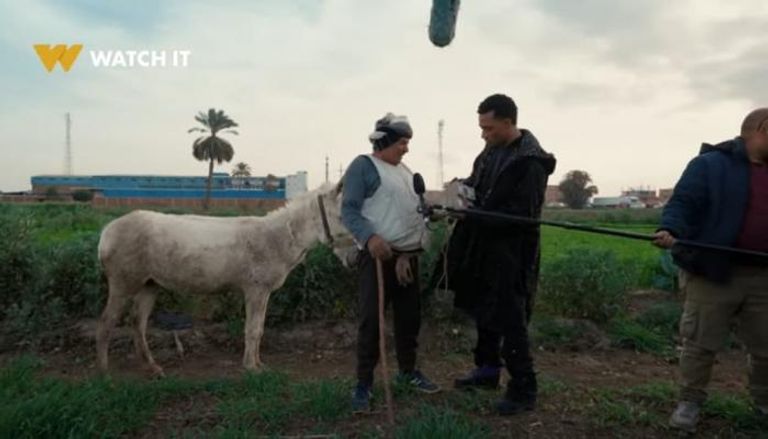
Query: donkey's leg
255	312
118	294
142	308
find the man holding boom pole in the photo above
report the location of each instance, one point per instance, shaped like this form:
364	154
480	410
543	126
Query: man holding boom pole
721	198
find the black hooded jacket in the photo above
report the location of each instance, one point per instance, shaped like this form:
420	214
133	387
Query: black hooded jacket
489	261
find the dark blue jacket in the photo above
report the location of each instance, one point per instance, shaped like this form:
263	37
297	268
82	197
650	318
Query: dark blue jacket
708	205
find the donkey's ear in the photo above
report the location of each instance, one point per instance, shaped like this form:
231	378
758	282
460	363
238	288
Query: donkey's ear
339	188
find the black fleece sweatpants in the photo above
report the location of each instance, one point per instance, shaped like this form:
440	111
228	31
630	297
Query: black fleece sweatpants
509	343
406	305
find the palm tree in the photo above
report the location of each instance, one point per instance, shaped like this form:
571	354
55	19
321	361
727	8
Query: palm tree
211	147
241	169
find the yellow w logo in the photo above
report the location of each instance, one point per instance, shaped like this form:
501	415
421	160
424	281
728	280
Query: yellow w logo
50	55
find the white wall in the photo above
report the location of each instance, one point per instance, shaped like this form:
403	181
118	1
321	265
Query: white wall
295	184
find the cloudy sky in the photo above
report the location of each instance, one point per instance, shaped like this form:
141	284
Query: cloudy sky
624	89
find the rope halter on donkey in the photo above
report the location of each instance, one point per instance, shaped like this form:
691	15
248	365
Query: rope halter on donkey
324	217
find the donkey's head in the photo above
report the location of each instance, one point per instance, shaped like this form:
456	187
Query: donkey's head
455	194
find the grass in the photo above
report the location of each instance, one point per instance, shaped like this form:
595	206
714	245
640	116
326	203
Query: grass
260	401
638	334
270	401
639	255
628	333
47	407
548	331
56	222
614	410
323	402
63	225
662	316
34	406
604	216
644	405
552	386
267	403
274	404
441	422
736	410
650	404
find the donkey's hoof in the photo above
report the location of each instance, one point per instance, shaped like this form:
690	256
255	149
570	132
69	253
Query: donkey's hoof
157	371
255	367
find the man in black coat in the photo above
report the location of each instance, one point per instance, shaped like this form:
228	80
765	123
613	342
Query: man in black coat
493	266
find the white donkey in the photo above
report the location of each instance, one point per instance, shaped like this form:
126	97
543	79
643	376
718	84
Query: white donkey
143	251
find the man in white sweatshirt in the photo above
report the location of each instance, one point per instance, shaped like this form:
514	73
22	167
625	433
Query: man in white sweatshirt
380	209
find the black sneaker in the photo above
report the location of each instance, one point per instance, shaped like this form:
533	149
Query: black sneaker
418	381
480	378
361	399
761	414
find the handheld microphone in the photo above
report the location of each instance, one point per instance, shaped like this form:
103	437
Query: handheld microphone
419	187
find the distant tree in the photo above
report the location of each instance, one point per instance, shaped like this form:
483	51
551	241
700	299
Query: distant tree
241	169
211	147
271	182
576	189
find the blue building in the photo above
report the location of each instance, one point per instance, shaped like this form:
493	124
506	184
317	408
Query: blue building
223	186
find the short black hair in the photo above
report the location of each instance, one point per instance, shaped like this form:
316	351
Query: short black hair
502	106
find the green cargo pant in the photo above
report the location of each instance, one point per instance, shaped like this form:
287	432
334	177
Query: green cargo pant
711	311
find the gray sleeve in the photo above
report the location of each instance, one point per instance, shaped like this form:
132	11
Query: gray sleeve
360	182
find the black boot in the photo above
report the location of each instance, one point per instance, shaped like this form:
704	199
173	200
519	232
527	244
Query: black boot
520	395
486	377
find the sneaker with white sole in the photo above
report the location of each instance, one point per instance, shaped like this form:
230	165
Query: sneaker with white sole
419	381
686	416
361	398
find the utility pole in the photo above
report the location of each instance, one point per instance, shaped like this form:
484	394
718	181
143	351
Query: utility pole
68	140
326	169
441	176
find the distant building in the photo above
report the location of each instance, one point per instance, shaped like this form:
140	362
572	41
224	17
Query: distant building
186	191
623	202
646	196
665	195
553	196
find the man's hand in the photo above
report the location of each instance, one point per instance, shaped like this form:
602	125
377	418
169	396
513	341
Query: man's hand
663	239
379	248
404	270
